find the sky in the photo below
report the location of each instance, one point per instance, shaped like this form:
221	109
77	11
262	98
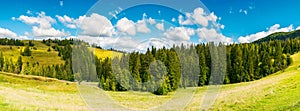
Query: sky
139	24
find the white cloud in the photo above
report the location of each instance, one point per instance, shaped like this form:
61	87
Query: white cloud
67	21
298	28
6	33
95	25
179	33
41	25
173	20
141	26
198	17
211	35
259	35
222	26
41	20
28	12
126	26
151	21
243	11
160	26
212	17
185	22
49	32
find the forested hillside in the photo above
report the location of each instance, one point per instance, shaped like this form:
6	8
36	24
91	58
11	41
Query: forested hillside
172	67
280	36
245	62
48	58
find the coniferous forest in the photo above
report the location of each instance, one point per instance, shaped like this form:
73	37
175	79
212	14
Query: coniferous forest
159	70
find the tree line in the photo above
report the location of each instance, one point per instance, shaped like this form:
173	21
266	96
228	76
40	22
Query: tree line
189	66
14	42
162	70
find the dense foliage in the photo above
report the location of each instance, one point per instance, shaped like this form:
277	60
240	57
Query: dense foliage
280	36
162	70
14	42
244	62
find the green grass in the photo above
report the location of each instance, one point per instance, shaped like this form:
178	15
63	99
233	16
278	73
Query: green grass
27	93
42	55
279	91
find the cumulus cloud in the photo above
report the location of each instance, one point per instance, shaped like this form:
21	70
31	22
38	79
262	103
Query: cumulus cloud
199	17
41	25
259	35
211	35
48	32
6	33
67	21
185	22
41	20
141	26
151	21
126	26
179	33
173	20
95	25
160	26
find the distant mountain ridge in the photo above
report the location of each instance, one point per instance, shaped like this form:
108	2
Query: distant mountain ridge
280	36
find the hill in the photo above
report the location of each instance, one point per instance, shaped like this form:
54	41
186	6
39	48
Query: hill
280	36
32	93
279	91
41	54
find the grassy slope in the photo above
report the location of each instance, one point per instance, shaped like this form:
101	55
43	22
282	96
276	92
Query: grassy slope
44	57
105	53
40	55
25	93
280	91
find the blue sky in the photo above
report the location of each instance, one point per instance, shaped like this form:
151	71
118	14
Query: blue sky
236	20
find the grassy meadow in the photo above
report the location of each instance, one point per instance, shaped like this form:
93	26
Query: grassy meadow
279	91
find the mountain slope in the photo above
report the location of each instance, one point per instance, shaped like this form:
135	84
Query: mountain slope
280	36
